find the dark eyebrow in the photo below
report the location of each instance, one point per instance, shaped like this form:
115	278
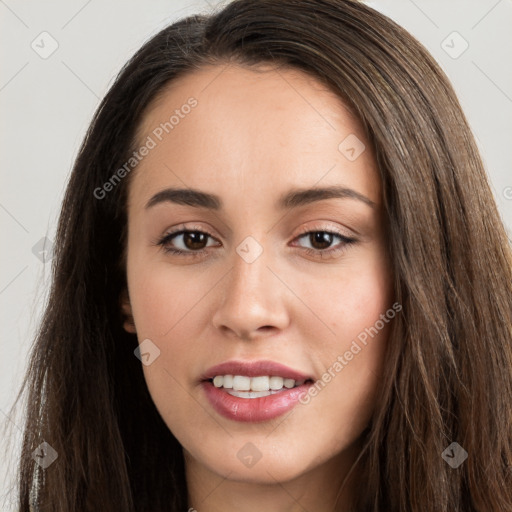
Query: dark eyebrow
187	196
302	196
292	199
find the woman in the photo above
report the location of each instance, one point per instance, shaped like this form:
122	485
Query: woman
195	354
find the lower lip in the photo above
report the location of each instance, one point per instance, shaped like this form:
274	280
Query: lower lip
253	409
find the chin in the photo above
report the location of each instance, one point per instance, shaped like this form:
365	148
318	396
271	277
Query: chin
262	473
250	465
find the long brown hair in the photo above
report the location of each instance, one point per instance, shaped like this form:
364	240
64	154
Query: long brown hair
448	371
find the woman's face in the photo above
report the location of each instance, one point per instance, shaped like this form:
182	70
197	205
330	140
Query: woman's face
277	284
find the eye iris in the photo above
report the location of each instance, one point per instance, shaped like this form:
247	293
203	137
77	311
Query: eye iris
195	237
322	238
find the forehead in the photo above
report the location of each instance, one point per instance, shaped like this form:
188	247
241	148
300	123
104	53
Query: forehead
251	130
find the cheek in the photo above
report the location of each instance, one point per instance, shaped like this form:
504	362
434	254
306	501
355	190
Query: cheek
357	308
166	308
162	298
170	306
352	299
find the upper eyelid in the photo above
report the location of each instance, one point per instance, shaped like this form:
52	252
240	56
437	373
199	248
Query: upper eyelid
302	232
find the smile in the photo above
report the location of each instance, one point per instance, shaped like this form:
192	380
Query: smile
253	391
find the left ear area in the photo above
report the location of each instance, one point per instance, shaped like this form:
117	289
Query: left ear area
126	310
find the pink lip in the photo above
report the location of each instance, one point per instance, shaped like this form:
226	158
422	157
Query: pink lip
254	409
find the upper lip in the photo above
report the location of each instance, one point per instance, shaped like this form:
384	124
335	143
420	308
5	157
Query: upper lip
255	369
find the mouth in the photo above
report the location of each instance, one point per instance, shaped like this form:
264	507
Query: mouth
254	391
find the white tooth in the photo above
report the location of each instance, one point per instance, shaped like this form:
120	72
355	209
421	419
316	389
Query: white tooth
259	383
289	383
241	383
298	383
218	381
276	382
228	381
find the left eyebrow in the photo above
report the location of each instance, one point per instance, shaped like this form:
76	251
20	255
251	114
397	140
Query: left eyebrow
302	196
290	200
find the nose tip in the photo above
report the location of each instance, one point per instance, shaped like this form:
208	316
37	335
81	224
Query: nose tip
252	304
250	322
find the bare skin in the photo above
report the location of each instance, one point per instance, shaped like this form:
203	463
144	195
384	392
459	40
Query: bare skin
253	137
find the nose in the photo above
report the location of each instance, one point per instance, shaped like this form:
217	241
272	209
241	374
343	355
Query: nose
253	300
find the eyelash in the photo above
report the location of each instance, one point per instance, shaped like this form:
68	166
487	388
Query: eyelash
317	253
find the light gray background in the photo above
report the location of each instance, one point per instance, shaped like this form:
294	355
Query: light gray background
47	103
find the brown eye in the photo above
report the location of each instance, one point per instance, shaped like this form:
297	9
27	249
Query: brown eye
186	242
320	242
321	239
194	240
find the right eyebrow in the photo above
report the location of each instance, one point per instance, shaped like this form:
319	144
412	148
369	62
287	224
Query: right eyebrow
186	196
